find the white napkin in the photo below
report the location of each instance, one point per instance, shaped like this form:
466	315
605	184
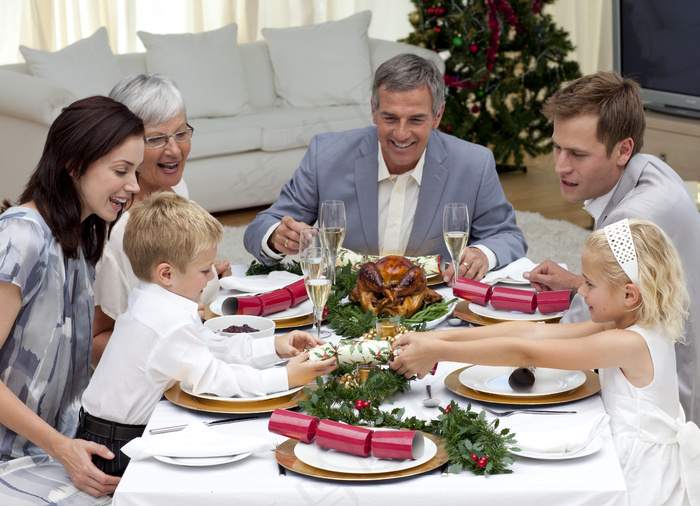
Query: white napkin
196	440
562	441
512	273
259	283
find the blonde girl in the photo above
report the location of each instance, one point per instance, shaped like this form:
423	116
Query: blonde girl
635	291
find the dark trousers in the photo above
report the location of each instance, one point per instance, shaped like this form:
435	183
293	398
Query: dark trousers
110	434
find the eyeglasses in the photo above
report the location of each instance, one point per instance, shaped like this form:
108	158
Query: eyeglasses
160	141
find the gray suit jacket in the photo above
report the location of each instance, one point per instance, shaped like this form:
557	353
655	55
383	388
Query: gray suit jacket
343	166
651	190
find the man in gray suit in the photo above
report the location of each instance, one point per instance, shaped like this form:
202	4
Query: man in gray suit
598	133
395	179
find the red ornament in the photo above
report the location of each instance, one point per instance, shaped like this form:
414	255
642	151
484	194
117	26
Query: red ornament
431	10
473	48
448	129
440	10
437	29
475	109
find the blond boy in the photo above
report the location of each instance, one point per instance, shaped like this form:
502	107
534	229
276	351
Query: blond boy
160	340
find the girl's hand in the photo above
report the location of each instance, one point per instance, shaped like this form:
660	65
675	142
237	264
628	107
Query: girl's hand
75	455
290	345
413	355
301	371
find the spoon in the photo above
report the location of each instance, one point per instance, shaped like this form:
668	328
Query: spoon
430	402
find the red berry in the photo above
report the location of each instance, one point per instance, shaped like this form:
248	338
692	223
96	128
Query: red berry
358	404
482	462
366	404
474	457
448	409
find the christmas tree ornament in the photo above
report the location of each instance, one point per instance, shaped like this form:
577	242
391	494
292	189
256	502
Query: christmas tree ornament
473	48
458	41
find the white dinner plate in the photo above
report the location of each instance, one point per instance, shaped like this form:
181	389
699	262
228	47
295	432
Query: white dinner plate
202	461
188	390
592	447
501	314
340	462
494	380
306	308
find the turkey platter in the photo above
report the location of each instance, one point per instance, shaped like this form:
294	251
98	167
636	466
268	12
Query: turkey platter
392	286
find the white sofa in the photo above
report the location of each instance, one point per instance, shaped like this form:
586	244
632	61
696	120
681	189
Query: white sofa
236	161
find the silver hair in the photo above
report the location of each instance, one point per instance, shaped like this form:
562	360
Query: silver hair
406	72
152	97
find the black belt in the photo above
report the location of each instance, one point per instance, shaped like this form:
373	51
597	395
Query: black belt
111	430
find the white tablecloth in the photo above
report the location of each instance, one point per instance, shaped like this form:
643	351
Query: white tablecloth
595	479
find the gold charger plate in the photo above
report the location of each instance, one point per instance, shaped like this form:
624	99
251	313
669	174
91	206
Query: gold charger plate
286	458
184	400
289	323
463	312
590	387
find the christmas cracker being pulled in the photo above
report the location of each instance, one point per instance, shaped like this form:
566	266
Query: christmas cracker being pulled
354	352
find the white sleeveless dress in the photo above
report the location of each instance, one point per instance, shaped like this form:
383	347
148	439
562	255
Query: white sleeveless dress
659	452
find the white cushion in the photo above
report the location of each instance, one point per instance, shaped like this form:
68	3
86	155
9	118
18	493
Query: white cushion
85	68
206	67
322	64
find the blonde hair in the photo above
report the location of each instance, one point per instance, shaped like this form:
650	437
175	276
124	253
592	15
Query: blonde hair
167	228
664	296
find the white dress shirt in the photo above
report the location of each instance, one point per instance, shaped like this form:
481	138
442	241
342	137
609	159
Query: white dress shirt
159	341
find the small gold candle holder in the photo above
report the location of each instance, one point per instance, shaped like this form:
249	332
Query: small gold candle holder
387	329
362	372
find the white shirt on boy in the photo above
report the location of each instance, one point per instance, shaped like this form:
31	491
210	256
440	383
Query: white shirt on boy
159	341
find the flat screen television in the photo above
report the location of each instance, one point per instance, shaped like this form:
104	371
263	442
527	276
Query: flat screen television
657	43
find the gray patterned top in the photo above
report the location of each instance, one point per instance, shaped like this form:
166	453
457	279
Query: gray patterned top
45	360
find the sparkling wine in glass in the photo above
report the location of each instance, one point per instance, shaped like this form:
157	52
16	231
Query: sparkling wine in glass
310	238
455	230
317	282
332	226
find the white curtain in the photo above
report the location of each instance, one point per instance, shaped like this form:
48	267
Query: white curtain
53	24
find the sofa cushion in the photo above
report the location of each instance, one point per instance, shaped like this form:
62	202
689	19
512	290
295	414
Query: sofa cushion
85	68
206	67
322	64
225	136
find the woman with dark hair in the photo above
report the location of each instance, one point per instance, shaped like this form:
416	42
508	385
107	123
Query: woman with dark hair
49	245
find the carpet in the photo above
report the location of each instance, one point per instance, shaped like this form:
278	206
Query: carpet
557	240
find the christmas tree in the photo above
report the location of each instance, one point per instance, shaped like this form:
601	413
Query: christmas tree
504	59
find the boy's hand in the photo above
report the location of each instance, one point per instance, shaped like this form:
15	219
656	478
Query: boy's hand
301	371
290	345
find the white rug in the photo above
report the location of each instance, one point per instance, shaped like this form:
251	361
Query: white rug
557	240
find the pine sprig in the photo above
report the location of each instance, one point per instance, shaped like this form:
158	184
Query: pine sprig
465	432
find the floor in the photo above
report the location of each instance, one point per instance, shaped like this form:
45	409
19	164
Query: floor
535	190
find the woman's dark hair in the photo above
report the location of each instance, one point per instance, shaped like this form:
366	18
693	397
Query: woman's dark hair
84	132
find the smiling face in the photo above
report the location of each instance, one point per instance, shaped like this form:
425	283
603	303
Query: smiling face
404	122
191	282
581	161
606	303
111	181
162	167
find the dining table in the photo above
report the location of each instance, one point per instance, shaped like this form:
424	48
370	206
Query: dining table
594	478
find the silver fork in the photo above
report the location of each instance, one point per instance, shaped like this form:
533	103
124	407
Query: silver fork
503	414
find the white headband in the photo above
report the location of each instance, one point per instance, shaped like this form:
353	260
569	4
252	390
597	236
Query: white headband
619	238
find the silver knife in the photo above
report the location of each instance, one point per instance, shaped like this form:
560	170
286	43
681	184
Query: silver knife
175	428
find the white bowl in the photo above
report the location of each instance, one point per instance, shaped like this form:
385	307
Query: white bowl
265	326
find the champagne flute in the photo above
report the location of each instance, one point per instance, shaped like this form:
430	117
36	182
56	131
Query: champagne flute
455	231
317	282
310	238
332	225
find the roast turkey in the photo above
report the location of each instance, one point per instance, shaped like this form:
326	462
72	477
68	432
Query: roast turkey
392	286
